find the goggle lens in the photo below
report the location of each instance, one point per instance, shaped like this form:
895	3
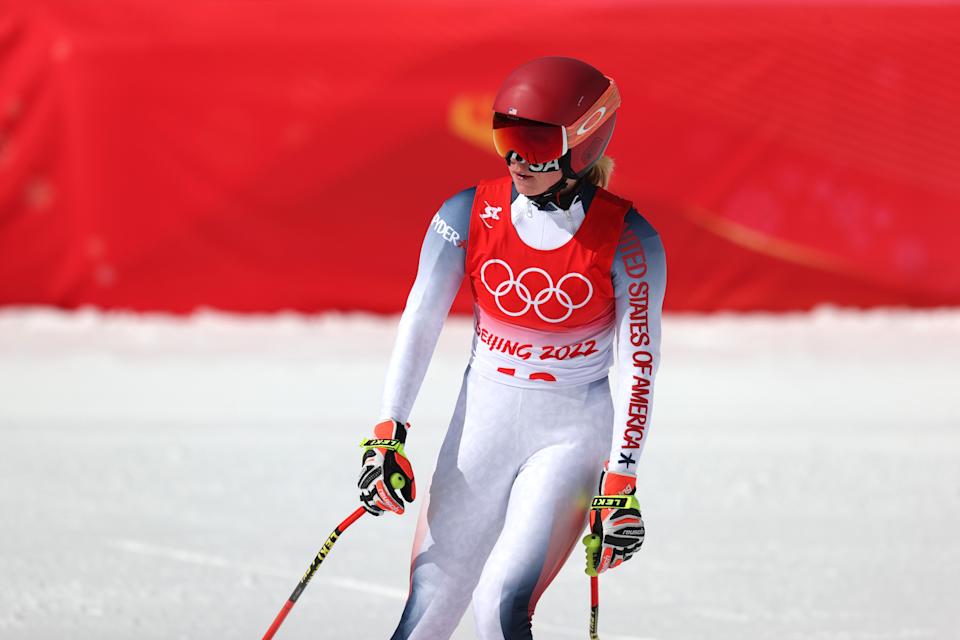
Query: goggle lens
535	142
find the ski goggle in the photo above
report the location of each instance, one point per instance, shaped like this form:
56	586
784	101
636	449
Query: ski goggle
541	142
535	142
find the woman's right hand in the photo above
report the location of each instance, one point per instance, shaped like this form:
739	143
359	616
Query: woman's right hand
386	475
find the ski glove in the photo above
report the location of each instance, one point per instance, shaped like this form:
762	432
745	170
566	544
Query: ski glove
616	528
386	476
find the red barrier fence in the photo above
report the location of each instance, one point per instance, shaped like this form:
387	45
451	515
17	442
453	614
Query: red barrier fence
289	154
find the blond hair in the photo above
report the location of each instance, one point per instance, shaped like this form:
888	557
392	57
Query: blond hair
600	173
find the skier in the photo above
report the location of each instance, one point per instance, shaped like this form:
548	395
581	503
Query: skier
563	273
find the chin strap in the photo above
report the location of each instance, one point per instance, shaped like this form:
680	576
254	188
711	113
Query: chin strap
551	196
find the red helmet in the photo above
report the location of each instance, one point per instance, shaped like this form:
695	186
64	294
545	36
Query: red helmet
555	108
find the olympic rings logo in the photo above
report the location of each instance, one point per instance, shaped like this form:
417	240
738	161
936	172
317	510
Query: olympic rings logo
547	293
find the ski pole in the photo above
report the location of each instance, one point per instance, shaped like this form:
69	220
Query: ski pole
594	606
398	481
592	542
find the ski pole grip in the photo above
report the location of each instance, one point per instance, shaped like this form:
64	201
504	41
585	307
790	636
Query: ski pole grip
397	481
592	543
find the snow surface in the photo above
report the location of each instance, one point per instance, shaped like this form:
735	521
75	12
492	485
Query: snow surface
164	478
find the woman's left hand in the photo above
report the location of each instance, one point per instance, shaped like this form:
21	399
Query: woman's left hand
616	527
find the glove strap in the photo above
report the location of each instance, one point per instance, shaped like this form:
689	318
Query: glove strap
383	443
615	502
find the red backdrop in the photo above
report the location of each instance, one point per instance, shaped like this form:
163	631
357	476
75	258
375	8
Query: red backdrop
289	154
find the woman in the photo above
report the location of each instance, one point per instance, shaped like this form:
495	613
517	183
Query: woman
563	273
